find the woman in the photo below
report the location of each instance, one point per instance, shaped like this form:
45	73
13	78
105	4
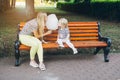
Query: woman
32	35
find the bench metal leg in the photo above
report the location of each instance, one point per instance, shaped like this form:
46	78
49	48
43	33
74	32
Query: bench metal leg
97	50
107	48
17	53
106	52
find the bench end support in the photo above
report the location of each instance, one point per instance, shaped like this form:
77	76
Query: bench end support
17	53
107	49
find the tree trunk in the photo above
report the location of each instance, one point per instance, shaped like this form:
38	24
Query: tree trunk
13	3
1	5
4	5
30	8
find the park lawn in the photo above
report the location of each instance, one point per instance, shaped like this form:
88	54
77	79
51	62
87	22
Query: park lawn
10	19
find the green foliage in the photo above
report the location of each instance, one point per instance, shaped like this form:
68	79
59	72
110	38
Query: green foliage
105	0
67	0
104	10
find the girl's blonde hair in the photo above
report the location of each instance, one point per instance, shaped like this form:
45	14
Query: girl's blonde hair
41	22
63	21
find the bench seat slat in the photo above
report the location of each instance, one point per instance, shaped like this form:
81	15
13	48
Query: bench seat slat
78	44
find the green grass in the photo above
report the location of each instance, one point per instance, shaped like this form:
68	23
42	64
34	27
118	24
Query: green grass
111	30
10	19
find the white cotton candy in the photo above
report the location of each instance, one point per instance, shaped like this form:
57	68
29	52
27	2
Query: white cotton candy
52	22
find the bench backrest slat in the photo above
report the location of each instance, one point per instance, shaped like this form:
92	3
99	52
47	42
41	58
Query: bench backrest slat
79	31
76	35
53	39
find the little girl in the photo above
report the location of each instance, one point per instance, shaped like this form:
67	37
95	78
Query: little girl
64	35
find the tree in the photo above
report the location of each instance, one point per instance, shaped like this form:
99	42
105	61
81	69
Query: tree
13	3
4	5
30	8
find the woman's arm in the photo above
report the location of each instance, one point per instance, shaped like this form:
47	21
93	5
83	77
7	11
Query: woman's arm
36	34
46	33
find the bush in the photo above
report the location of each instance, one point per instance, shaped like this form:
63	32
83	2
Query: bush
105	10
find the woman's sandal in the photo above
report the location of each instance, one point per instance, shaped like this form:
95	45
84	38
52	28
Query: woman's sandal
33	64
42	67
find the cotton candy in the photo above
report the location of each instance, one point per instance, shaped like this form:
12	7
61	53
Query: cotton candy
52	22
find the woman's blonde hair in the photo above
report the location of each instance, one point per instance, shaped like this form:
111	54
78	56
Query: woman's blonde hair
41	22
63	21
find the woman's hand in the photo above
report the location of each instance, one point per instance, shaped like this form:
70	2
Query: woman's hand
36	34
47	33
43	41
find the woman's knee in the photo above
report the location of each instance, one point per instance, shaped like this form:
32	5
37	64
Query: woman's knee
35	44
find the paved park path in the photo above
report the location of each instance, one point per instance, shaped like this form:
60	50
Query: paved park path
64	67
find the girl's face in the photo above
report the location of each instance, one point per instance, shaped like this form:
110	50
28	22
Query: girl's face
61	26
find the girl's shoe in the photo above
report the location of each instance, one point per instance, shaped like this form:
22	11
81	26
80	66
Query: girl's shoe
60	47
34	64
75	51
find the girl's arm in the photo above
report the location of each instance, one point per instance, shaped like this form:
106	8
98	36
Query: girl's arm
68	36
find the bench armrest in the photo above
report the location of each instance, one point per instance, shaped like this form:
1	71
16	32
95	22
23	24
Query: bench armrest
17	44
105	39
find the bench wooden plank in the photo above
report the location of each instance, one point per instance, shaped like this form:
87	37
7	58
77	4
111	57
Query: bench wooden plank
81	31
85	35
76	35
81	28
78	44
74	39
82	24
87	22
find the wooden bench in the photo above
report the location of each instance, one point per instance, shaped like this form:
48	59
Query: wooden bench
82	35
